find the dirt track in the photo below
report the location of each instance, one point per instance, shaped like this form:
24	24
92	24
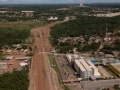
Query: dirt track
41	75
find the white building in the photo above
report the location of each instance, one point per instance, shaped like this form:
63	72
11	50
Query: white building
9	57
23	64
52	18
66	19
85	68
3	11
27	11
80	69
23	58
81	5
95	70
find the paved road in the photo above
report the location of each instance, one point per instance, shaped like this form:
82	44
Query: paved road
88	85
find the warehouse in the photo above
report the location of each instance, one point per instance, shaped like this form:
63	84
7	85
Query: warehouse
95	70
80	69
115	68
83	69
108	60
23	58
71	58
87	67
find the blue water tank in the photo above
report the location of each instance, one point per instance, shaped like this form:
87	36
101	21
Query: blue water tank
93	60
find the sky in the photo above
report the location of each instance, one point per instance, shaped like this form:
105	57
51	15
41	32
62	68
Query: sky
56	1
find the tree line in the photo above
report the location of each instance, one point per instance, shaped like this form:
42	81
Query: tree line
9	36
17	80
86	26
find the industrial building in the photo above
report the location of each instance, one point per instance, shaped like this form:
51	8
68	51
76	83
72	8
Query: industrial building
108	60
23	58
71	58
95	70
115	68
85	68
80	69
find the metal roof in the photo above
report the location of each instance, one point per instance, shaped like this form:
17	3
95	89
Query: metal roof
27	11
85	65
94	68
116	65
23	58
9	57
80	65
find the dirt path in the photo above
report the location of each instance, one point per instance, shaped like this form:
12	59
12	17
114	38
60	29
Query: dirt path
41	75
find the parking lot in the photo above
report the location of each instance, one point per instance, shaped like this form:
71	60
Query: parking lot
99	85
104	72
65	69
67	72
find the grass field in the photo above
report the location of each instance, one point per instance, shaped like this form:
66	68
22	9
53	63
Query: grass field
22	24
55	67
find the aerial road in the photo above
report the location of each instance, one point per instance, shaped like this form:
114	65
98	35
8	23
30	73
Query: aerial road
42	76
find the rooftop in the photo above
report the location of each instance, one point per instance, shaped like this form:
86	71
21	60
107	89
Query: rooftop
80	65
9	57
116	65
85	65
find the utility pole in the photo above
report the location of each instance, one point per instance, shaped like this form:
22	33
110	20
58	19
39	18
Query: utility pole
106	30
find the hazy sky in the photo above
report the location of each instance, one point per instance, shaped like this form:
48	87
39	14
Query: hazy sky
58	1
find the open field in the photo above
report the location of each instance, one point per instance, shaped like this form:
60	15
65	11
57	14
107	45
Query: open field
66	70
55	67
22	24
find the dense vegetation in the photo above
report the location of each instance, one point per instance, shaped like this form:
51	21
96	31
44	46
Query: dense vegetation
17	80
42	12
9	36
67	47
86	26
108	48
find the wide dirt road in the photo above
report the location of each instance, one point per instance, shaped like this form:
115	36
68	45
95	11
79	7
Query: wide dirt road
41	76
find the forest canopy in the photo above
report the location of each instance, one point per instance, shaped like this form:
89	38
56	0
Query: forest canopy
86	26
17	80
9	36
